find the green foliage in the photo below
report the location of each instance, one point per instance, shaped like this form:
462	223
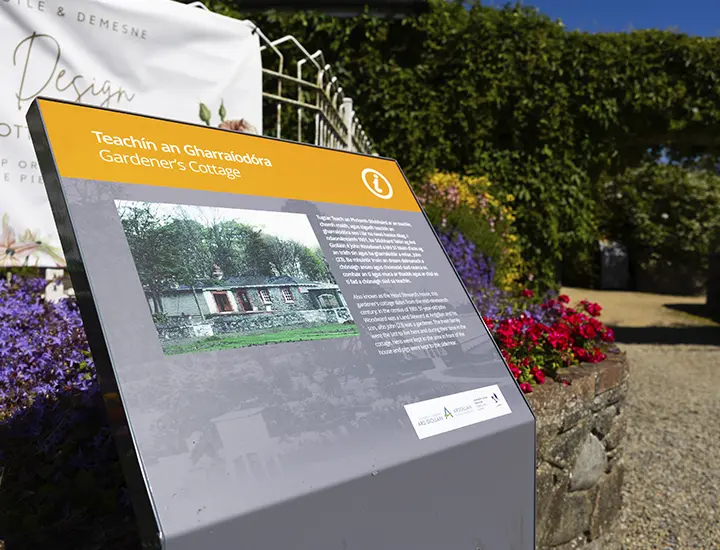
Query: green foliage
513	95
667	216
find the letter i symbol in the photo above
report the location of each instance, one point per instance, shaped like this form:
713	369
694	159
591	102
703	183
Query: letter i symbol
376	183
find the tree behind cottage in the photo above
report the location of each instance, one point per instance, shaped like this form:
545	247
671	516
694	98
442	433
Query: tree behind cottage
170	251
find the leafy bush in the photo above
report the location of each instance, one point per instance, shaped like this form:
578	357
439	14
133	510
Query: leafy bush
465	206
667	217
510	93
59	473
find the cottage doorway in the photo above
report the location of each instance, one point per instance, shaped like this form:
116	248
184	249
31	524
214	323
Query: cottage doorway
244	301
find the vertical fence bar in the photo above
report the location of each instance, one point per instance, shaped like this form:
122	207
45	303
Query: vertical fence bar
349	116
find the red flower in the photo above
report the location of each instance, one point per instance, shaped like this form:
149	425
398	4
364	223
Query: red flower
593	309
538	374
527	293
515	371
564	298
581	353
526	388
608	335
588	331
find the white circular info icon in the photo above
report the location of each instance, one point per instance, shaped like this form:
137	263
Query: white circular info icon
377	184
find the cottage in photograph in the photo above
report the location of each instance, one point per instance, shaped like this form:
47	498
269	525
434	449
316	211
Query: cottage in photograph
249	295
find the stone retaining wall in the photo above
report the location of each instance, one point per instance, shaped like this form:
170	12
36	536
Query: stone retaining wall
251	322
580	435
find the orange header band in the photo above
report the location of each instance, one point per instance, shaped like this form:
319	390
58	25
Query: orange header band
98	144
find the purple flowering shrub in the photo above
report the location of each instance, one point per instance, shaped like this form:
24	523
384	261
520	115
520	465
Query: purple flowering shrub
59	470
478	273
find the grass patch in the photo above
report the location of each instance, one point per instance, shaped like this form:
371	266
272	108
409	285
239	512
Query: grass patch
275	336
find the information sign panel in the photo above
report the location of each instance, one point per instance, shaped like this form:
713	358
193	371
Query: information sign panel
290	358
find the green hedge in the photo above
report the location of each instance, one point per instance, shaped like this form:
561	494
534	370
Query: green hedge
513	95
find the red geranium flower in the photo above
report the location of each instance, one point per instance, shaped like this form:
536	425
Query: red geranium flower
526	388
538	374
564	298
581	353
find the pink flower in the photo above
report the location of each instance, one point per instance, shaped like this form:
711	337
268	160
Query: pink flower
526	388
515	371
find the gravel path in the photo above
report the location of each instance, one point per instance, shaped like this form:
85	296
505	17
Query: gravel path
672	484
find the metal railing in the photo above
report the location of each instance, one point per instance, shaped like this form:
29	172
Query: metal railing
309	106
323	114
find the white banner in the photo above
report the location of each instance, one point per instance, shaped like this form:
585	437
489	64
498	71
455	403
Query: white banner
154	57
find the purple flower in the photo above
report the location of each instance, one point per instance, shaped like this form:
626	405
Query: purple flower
53	425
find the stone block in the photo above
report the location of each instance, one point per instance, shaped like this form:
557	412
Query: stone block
550	485
604	420
617	432
589	466
570	518
609	397
609	377
564	448
575	411
608	501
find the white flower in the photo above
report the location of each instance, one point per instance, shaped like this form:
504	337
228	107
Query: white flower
664	215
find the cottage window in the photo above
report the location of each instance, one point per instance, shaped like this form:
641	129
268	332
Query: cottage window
244	301
265	296
288	296
327	301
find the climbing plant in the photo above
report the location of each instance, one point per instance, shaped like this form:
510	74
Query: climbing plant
509	93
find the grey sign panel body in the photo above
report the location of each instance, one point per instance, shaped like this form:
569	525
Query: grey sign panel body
287	425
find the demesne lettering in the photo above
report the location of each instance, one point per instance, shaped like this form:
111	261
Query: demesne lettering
113	25
42	72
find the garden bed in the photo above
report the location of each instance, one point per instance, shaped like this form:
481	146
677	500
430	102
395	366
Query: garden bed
61	471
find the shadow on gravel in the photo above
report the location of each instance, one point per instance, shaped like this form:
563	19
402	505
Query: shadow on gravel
703	336
698	310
